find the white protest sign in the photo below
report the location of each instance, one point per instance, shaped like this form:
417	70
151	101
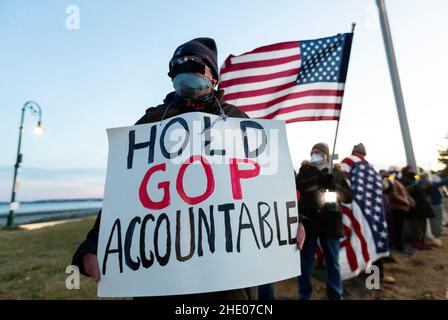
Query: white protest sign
188	210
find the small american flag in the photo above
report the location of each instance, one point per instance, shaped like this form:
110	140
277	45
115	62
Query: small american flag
365	228
290	81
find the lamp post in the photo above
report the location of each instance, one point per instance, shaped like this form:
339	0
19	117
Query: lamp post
38	129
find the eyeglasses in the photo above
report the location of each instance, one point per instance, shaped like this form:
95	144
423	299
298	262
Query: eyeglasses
181	60
189	64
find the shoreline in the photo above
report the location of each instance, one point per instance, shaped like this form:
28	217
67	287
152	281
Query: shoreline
49	216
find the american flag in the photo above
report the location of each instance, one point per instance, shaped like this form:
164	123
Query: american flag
365	228
290	81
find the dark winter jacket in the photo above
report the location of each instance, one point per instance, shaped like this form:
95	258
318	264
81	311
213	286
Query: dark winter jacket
155	114
422	208
325	219
434	192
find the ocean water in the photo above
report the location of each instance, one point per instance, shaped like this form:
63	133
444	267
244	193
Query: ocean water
40	211
28	207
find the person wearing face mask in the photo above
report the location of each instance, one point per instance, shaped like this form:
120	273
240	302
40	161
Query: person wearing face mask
194	73
322	220
193	70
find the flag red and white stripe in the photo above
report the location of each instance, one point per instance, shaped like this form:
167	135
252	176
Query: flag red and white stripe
264	84
359	247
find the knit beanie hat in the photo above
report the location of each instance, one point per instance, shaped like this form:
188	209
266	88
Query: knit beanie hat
359	149
409	171
322	147
203	48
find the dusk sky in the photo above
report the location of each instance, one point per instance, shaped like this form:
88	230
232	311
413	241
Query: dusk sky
109	71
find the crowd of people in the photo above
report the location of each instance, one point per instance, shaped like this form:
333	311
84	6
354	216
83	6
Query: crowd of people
411	197
413	209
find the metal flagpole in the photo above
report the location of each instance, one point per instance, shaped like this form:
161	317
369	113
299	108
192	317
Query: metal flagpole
334	147
385	28
337	125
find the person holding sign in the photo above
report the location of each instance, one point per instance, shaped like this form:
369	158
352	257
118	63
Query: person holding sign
194	73
321	193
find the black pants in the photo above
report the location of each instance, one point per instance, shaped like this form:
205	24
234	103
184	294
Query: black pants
380	265
398	221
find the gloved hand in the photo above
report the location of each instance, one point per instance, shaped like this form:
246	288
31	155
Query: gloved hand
326	181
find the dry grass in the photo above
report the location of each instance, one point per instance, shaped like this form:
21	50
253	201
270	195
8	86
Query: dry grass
33	262
422	276
33	266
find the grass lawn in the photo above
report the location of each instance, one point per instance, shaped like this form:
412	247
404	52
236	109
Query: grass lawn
33	262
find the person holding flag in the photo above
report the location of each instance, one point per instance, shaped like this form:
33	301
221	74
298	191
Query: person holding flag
309	75
194	73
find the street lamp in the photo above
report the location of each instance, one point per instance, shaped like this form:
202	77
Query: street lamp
38	129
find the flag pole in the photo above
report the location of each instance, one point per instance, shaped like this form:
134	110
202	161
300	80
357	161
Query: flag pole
393	69
337	124
334	146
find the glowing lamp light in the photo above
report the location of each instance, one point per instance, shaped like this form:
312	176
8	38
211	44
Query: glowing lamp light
330	196
38	129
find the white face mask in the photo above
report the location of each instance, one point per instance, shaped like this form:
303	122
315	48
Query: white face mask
316	158
319	161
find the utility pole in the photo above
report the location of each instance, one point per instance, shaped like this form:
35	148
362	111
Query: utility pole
393	69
